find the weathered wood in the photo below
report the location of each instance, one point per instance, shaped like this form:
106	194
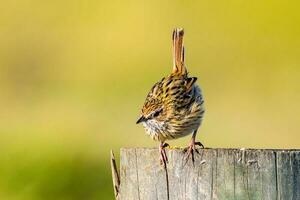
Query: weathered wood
229	174
115	174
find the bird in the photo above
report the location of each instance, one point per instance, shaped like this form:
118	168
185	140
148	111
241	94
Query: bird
174	107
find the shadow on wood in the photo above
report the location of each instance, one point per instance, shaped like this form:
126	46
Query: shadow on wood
218	174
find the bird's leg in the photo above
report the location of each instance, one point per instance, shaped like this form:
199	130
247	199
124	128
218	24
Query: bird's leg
162	151
192	147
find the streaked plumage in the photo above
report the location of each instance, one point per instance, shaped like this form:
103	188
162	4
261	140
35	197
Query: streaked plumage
174	106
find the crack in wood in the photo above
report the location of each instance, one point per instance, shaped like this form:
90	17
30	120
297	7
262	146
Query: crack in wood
137	174
234	163
212	182
167	180
198	172
276	175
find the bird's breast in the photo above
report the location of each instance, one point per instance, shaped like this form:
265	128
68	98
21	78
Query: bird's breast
157	130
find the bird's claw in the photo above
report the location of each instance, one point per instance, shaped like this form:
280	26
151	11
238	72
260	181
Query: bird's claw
190	151
199	144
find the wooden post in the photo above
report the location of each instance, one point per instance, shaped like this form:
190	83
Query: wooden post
218	174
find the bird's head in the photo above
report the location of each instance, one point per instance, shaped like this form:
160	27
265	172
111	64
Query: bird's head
150	111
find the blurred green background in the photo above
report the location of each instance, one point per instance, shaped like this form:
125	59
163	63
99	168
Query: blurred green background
74	75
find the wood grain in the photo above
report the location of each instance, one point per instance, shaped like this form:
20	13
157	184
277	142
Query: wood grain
218	174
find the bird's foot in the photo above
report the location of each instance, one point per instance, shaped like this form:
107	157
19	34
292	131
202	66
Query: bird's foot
191	149
163	155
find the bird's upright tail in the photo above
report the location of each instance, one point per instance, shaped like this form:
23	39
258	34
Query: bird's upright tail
178	52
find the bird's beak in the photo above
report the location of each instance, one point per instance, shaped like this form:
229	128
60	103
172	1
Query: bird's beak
141	119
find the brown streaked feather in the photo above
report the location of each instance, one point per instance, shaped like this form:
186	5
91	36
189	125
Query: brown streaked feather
190	82
178	53
173	90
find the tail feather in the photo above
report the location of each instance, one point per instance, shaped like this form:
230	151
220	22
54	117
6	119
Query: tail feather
178	52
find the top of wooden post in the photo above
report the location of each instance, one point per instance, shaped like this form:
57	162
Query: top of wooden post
217	174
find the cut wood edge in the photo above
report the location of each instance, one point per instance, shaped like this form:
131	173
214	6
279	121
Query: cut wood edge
115	174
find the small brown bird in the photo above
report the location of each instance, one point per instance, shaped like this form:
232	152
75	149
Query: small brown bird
174	106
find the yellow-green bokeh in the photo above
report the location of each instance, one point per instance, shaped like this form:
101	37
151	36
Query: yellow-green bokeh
74	75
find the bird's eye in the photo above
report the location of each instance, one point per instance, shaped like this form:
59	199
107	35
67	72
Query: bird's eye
156	113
